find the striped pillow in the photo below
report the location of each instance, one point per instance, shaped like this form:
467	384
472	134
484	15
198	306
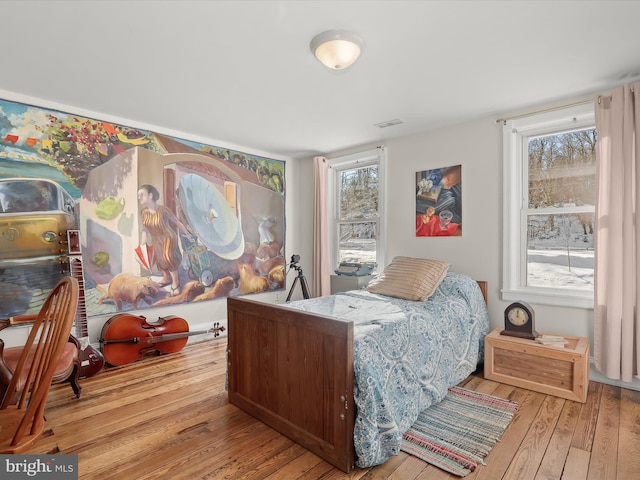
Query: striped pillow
410	278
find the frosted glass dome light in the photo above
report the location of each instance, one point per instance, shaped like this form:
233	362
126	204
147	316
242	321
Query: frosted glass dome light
337	49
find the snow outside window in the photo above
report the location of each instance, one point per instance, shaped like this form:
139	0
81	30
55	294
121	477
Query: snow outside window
549	207
357	193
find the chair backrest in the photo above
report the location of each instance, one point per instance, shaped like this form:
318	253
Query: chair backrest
47	338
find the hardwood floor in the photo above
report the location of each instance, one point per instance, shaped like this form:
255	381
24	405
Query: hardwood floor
168	417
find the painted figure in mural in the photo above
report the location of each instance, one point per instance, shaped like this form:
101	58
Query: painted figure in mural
163	228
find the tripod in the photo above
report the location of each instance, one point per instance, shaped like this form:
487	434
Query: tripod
303	283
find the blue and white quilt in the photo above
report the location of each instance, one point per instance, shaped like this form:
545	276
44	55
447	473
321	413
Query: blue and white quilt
406	355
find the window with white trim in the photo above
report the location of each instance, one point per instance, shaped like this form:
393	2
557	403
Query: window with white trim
356	193
549	207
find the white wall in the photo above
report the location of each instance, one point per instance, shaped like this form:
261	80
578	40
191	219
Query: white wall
477	146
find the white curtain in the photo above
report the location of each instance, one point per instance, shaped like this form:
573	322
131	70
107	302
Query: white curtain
617	271
321	277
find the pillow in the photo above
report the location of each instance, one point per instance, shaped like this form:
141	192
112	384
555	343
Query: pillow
409	278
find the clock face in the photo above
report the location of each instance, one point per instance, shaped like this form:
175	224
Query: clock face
518	316
519	320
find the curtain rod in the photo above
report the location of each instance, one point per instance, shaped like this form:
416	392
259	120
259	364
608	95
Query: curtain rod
600	97
545	110
553	109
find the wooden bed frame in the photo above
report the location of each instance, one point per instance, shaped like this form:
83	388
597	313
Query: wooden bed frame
293	370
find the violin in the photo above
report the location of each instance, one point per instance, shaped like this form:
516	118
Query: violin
126	338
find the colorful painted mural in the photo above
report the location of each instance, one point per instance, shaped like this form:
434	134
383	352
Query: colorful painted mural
162	220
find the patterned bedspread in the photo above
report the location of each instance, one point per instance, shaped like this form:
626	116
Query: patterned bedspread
406	355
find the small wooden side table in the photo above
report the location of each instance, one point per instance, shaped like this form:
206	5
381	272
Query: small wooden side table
344	283
559	371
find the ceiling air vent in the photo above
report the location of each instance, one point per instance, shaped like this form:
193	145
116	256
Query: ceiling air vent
389	123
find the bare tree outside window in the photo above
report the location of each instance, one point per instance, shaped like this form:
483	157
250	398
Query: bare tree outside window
561	206
566	230
358	214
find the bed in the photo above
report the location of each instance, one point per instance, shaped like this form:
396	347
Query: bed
346	375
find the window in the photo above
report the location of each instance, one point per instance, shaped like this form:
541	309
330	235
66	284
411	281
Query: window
549	207
356	192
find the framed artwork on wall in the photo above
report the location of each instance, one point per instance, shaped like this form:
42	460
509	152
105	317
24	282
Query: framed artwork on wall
439	202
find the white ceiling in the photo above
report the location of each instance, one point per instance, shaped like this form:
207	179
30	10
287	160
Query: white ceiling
241	72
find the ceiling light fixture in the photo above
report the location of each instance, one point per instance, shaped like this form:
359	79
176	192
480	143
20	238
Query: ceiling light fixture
337	49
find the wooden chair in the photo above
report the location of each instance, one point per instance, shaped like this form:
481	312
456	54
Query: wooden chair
22	424
67	370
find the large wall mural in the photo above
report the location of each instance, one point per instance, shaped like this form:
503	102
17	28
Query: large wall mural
162	220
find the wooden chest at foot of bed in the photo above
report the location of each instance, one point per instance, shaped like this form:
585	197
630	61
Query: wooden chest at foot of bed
559	371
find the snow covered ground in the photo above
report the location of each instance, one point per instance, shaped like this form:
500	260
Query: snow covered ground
550	268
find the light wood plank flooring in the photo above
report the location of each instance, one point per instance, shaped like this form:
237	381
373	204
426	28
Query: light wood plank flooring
168	417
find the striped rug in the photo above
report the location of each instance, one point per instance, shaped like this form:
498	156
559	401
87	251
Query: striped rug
459	432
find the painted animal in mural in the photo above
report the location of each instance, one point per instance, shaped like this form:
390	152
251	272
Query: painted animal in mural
129	288
250	282
221	288
190	291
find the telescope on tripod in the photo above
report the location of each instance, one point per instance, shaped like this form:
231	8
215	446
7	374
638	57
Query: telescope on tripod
299	279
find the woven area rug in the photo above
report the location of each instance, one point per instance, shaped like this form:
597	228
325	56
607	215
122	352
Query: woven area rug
459	432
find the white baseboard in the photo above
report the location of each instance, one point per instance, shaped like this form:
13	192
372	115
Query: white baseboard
204	327
596	376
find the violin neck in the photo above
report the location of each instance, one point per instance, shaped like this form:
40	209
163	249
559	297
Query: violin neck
167	337
175	336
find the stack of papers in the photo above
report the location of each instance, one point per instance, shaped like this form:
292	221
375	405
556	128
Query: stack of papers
552	340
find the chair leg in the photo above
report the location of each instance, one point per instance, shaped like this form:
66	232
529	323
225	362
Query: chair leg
73	381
